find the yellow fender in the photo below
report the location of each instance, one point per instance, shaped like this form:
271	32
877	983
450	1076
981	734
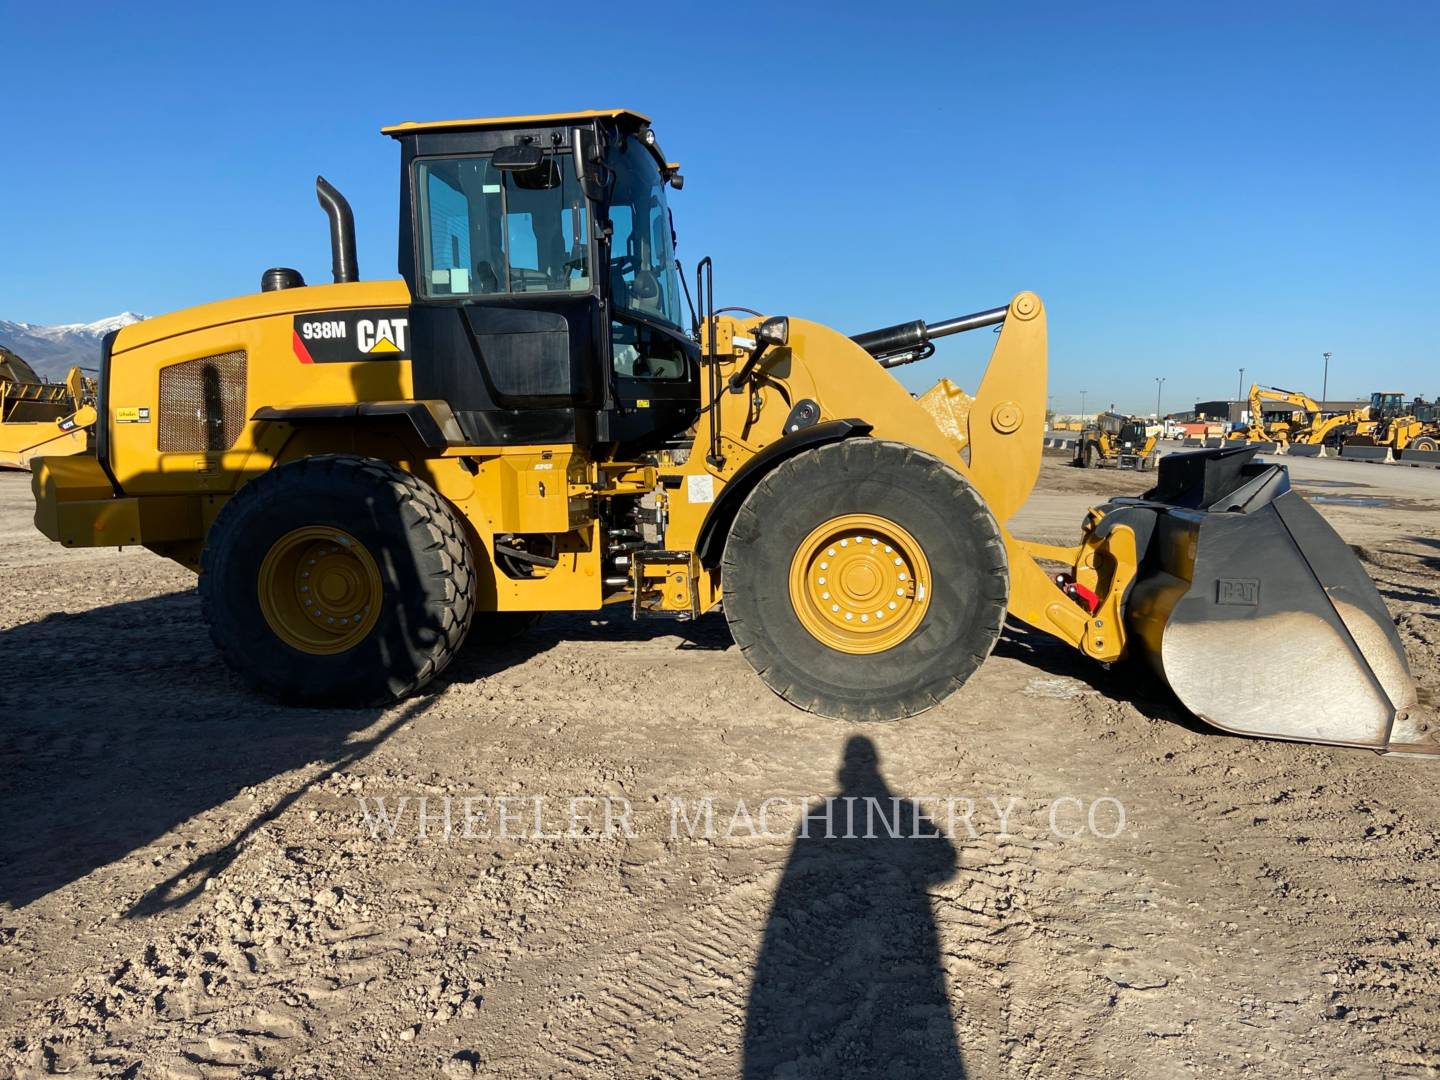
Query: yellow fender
1000	453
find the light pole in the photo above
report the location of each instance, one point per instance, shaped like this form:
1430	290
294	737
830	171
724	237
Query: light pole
1159	385
1325	382
1240	393
1082	404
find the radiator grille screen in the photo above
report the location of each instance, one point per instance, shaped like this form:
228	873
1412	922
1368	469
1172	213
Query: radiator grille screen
202	403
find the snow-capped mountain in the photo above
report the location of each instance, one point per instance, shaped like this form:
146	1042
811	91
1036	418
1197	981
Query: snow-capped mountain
51	350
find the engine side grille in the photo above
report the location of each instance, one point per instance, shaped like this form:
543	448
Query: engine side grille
202	403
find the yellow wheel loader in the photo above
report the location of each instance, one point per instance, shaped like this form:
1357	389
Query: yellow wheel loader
39	418
1398	424
1118	442
365	472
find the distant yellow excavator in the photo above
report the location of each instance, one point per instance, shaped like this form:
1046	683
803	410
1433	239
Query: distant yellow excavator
1315	429
39	418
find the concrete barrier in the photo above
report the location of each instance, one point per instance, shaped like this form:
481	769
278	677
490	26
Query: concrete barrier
1302	450
1430	458
1191	441
1213	444
1266	447
1367	453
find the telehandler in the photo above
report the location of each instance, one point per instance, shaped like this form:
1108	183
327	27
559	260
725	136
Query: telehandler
1114	440
366	471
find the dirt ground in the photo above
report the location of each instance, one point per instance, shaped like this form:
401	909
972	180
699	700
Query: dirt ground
188	886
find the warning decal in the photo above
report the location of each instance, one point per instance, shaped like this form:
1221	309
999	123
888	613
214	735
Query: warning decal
348	337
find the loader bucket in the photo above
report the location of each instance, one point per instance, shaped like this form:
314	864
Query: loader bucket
1256	613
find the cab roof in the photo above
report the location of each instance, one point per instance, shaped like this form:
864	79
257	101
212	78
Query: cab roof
410	127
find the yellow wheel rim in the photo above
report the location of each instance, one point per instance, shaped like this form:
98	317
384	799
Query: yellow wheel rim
860	584
320	590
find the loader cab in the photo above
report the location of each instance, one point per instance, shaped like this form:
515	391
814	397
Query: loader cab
1132	434
1386	404
546	298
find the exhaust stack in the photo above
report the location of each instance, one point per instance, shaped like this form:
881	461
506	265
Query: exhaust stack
342	231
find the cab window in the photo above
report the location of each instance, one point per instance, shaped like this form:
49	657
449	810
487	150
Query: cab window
644	278
642	352
484	231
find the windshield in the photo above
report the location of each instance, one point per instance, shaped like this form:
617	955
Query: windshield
485	231
643	275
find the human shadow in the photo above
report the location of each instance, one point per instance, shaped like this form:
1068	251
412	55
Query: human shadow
849	980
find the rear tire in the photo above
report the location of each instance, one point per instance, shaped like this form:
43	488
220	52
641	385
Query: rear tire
391	559
1425	442
912	499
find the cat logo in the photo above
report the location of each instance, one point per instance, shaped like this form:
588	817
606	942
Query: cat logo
1242	592
381	335
349	337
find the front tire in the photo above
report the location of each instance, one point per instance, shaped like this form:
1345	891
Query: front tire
337	581
865	580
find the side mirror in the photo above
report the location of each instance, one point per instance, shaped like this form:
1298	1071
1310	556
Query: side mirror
521	158
774	331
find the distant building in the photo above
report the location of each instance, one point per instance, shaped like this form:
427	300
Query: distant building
1225	412
1238	412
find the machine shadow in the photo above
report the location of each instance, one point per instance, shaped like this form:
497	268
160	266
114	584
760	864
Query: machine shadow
144	729
849	980
1128	681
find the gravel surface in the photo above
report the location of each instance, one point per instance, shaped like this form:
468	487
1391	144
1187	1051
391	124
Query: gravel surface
189	887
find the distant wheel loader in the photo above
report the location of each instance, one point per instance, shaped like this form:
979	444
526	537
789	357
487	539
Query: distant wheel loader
1398	424
1117	442
365	473
39	418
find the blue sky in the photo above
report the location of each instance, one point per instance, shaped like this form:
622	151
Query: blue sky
1191	188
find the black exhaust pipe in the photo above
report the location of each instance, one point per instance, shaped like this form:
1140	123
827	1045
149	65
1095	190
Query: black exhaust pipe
342	231
908	342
